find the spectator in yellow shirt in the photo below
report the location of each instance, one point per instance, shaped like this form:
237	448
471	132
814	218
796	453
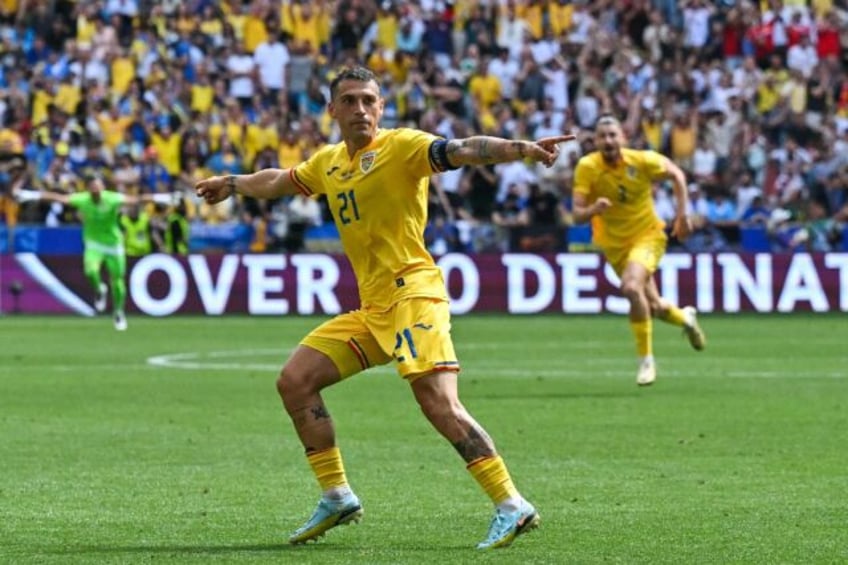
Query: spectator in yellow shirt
260	136
212	25
387	26
186	20
167	144
559	16
122	70
232	126
683	138
255	31
291	149
112	126
483	87
42	97
68	96
768	95
202	92
307	25
531	12
85	23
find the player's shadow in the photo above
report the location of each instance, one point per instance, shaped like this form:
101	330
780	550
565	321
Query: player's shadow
623	393
199	549
219	550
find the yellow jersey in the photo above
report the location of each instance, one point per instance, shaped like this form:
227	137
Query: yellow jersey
255	33
123	73
629	186
68	97
113	128
257	138
169	151
41	100
202	97
290	155
378	199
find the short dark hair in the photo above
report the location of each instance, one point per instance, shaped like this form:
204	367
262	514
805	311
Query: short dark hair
91	175
351	73
607	120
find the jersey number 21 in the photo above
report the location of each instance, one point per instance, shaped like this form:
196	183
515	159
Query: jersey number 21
348	200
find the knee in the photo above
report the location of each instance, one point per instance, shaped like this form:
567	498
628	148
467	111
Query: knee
631	289
291	383
437	407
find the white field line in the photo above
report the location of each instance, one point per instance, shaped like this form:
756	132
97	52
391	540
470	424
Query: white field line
241	360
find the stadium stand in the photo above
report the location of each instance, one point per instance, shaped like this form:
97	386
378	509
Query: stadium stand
750	97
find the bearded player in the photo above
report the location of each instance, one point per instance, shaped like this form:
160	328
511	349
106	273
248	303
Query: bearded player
613	189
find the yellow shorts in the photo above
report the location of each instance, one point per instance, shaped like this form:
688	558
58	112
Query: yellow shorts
415	333
646	250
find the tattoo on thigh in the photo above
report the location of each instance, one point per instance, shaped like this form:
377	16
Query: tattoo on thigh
475	444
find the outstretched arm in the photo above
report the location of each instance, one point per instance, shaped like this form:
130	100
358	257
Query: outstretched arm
484	150
24	195
265	184
157	198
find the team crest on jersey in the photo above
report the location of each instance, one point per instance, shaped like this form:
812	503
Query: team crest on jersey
631	172
367	161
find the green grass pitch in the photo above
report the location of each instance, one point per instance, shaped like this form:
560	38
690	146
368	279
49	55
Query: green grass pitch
168	444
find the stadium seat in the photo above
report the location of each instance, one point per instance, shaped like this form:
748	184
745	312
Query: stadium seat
579	237
65	240
755	239
323	239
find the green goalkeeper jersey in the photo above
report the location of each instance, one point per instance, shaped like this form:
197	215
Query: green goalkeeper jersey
100	219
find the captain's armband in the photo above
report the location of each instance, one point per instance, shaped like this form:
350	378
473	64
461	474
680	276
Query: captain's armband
438	154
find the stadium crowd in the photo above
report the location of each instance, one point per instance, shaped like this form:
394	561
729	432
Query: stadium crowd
750	98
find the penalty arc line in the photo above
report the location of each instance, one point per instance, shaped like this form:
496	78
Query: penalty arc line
225	361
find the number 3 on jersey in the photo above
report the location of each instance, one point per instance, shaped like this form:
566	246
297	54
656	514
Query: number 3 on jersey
622	193
348	200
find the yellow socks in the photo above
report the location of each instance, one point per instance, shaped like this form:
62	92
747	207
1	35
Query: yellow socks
642	332
673	315
328	468
491	474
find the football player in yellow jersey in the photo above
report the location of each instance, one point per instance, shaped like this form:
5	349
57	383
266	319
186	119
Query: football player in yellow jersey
376	183
613	189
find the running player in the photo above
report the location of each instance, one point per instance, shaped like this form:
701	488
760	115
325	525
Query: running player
103	241
613	188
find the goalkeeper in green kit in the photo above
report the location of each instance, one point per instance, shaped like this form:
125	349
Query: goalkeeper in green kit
103	242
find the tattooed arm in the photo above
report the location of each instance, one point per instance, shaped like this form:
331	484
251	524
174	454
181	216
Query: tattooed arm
484	150
267	183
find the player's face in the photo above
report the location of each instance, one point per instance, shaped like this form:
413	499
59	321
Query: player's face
95	187
608	140
357	107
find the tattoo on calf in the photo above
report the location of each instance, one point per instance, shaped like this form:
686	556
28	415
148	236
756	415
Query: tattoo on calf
320	412
475	444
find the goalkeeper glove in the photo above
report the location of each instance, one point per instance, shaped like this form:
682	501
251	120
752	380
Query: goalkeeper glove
27	195
167	198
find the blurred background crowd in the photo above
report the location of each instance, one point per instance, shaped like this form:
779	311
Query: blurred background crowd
749	97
